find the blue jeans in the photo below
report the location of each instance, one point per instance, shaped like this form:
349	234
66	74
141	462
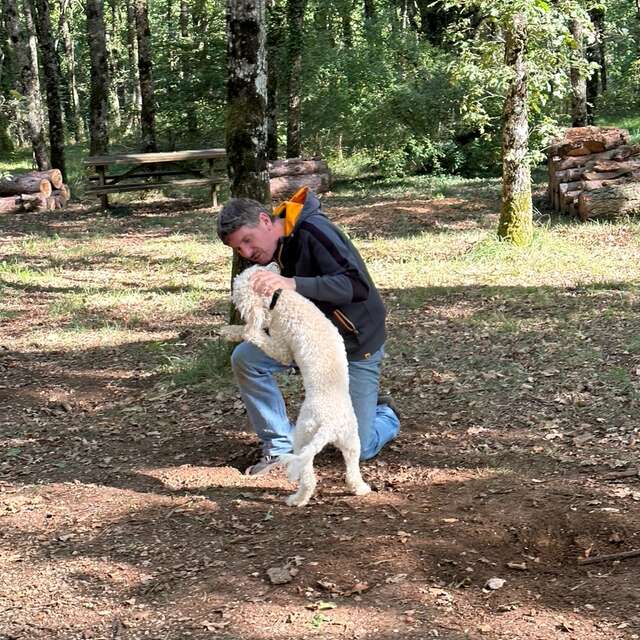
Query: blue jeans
254	372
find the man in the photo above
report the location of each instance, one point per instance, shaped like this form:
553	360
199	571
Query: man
318	261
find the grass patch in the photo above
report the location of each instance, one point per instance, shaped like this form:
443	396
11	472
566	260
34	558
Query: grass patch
211	366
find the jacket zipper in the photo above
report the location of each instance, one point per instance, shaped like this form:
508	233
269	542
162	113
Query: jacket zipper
345	322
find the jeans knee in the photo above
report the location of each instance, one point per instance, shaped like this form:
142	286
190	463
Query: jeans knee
239	361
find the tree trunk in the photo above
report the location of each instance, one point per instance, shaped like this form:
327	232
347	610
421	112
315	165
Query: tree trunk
51	67
184	19
115	121
369	11
578	81
275	32
295	26
347	27
246	128
74	120
597	82
516	217
99	106
27	81
145	67
135	98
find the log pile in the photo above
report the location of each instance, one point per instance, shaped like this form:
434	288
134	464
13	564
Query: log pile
287	176
33	191
595	173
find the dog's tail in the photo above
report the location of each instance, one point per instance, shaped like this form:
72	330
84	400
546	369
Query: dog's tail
295	463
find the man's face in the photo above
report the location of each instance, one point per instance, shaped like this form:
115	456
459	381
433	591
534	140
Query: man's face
257	244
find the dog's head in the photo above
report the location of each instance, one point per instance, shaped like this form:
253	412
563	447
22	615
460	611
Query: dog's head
252	306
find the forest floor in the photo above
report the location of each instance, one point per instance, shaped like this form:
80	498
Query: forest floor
123	510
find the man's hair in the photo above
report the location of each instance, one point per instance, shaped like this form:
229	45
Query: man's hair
236	213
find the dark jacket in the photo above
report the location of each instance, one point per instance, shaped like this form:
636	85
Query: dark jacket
330	272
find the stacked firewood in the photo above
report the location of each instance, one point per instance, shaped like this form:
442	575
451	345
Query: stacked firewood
595	173
33	191
287	176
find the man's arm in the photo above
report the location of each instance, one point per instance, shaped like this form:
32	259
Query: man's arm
340	278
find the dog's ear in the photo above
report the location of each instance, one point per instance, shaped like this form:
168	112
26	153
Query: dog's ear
273	266
255	316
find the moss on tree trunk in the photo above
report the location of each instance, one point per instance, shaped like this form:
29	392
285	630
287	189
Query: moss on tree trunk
516	218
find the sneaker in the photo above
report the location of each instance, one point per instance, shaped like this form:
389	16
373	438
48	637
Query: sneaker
389	402
263	466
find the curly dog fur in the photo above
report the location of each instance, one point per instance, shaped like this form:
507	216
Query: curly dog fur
299	332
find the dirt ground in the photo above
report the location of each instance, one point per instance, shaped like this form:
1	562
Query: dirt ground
124	513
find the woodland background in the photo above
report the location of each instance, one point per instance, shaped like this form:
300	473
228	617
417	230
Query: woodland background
389	86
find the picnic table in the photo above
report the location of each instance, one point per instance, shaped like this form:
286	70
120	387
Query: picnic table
157	170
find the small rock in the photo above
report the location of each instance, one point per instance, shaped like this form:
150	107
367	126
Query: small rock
495	583
279	575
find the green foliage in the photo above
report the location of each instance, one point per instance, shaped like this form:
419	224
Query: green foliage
398	95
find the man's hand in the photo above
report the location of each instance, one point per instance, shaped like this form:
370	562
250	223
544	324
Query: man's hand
266	282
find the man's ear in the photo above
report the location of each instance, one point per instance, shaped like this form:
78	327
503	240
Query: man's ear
273	266
265	218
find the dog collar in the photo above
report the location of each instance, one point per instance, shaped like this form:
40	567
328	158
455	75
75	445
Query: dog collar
274	299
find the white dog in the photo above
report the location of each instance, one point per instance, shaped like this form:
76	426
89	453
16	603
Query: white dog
300	332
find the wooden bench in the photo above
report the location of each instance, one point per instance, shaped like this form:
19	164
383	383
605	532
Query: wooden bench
164	169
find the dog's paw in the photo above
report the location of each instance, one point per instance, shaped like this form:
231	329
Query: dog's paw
253	336
361	489
231	332
295	500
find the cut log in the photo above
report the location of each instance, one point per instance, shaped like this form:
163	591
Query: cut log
296	167
608	181
606	175
25	184
569	175
54	176
579	141
285	186
611	201
33	202
621	153
8	204
61	196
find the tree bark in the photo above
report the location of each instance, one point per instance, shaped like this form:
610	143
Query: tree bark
99	105
296	167
597	82
74	120
246	127
115	120
184	19
578	81
610	202
26	183
275	32
346	24
516	217
10	204
27	80
51	67
295	26
145	69
285	186
135	99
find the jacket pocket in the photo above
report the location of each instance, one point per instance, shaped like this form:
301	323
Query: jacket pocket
344	322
